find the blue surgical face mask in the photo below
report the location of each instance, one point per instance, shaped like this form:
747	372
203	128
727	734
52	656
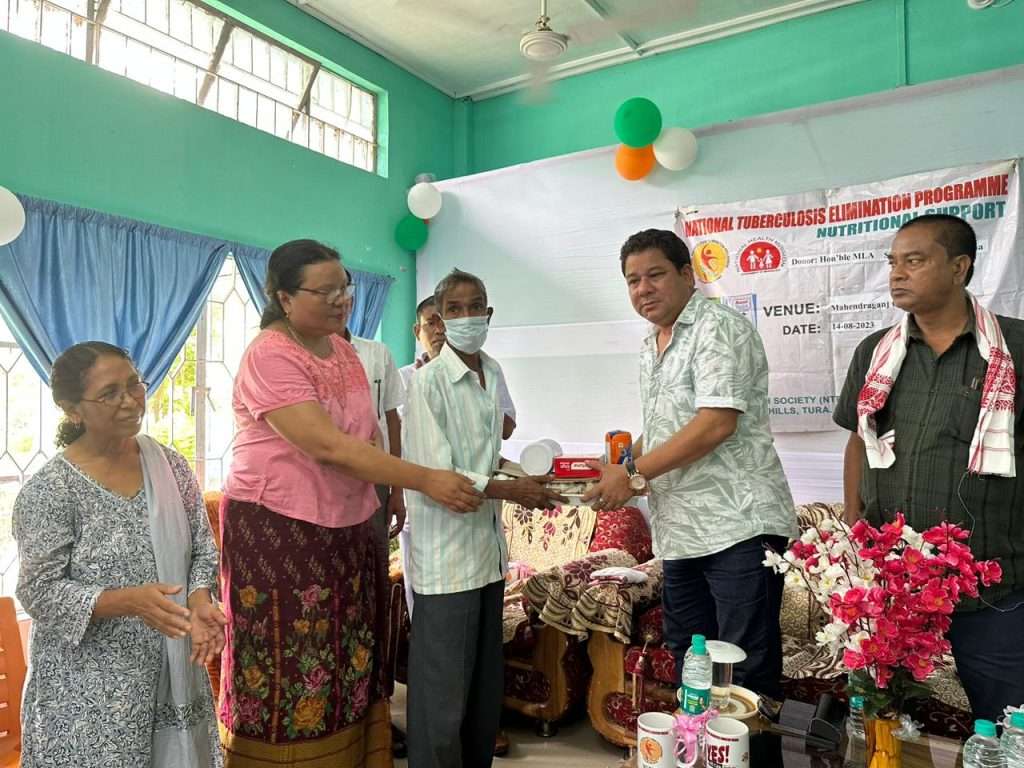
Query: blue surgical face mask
467	334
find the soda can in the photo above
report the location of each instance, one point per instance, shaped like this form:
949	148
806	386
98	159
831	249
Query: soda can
618	446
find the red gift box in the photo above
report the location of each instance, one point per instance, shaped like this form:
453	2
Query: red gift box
574	467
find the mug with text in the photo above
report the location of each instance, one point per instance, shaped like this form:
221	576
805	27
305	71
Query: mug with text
726	744
656	740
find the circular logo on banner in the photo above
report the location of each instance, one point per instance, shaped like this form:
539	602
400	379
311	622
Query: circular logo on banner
709	261
761	255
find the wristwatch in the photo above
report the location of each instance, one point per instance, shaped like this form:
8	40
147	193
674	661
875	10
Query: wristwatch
637	482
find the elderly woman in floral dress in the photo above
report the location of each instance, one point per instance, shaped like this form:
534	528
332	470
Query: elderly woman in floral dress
304	582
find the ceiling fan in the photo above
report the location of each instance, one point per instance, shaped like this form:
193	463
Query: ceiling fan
543	46
543	43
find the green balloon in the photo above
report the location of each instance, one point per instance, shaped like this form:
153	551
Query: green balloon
637	122
411	233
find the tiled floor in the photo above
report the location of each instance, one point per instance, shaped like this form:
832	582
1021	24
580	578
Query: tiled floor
576	745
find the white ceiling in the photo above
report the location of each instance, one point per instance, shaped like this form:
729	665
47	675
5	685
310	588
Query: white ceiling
470	48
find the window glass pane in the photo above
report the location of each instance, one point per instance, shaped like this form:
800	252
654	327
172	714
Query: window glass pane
332	139
227	99
316	135
157	15
185	81
25	18
300	129
180	21
162	72
247	106
347	152
79	36
112	49
278	68
137	61
135	9
266	112
56	31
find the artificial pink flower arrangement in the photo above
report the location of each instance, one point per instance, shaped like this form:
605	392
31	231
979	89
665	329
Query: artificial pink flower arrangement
889	593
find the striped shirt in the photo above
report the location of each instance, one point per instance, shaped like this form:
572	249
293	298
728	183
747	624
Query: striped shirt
451	422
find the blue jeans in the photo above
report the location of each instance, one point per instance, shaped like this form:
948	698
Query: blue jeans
729	596
989	655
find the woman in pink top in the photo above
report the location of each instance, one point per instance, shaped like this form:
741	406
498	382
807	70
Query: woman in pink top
304	585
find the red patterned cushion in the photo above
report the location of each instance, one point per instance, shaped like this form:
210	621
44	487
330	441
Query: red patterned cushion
623	529
526	685
521	646
659	664
649	629
618	707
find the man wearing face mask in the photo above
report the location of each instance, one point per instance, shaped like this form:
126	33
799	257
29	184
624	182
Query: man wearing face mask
429	332
458	562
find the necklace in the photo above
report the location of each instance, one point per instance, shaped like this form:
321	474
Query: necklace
299	341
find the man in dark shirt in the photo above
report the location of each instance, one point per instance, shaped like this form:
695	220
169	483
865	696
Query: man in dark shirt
933	408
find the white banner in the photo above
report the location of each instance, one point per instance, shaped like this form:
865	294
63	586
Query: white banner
810	270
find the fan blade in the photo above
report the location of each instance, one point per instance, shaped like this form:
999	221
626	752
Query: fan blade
665	11
454	17
538	87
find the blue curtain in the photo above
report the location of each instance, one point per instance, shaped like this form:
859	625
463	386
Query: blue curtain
79	275
368	308
371	290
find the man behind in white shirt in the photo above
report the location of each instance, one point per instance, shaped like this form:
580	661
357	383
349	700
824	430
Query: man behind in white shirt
387	392
429	332
458	563
388	395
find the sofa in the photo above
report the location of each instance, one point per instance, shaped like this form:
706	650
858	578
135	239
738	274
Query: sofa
633	671
551	556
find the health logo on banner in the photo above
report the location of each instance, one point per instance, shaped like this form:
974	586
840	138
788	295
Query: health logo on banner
810	269
709	261
761	256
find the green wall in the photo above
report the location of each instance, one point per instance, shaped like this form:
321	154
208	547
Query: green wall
79	135
864	48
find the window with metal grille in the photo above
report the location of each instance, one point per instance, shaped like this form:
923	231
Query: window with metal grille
190	410
190	50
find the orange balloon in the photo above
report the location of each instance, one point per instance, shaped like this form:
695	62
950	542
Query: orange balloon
634	163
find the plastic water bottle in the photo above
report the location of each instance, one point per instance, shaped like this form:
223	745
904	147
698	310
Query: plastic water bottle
1012	741
695	694
856	740
982	750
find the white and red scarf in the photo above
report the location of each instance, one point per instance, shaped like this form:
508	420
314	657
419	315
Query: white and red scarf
991	450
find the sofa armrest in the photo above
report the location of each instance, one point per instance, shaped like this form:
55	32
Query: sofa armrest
553	593
611	606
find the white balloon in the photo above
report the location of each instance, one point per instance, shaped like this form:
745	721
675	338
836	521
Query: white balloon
675	149
12	216
424	200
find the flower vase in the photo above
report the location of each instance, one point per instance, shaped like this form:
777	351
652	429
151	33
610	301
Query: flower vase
883	748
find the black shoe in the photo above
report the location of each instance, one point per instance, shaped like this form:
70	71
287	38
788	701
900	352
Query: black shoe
501	744
398	748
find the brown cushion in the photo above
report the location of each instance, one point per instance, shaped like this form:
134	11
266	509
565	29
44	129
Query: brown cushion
609	606
554	593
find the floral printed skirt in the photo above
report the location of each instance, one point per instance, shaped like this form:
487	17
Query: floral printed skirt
302	678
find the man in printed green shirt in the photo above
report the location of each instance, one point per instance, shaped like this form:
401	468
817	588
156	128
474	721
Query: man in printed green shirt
717	492
458	562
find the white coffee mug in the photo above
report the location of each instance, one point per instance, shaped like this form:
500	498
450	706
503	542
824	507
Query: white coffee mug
656	740
726	744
